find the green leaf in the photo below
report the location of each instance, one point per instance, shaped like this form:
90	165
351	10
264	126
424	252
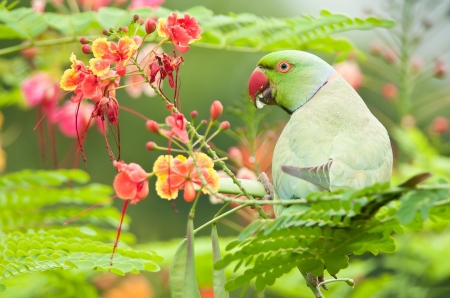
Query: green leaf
24	21
70	24
178	270
2	287
190	287
219	278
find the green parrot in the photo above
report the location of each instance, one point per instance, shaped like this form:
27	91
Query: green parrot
332	140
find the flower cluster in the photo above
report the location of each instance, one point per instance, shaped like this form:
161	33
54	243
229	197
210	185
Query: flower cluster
181	173
180	30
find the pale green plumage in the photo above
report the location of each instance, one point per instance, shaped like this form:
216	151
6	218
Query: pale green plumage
333	130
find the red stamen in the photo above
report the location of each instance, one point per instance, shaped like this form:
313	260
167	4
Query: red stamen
119	229
89	209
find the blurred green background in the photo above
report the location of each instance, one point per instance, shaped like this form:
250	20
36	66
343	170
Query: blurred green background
209	75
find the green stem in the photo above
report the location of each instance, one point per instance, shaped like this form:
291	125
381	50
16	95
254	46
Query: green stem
216	219
39	43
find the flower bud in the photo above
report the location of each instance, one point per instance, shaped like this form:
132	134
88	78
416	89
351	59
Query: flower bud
87	49
417	64
151	146
84	40
150	26
224	125
152	126
194	114
440	69
141	21
105	32
440	125
204	122
389	91
216	110
135	18
125	29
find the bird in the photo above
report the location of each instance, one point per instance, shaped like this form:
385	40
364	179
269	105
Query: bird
331	140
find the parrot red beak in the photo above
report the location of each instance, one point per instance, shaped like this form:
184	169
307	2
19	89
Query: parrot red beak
258	81
259	89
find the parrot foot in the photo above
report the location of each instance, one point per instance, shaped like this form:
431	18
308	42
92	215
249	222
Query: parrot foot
267	186
316	280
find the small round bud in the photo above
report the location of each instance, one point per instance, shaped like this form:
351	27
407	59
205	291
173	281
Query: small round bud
224	125
440	125
216	110
440	69
135	18
105	32
151	146
141	21
125	29
389	91
84	40
87	49
152	126
376	47
204	122
150	26
194	114
120	29
111	30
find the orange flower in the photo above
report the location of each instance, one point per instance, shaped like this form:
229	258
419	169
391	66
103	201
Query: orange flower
131	182
180	173
107	53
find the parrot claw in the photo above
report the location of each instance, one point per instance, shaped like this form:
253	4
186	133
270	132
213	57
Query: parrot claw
267	186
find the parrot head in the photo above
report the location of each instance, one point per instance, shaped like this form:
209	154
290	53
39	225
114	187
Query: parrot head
287	79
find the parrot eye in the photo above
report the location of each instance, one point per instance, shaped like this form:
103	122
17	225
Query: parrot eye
283	66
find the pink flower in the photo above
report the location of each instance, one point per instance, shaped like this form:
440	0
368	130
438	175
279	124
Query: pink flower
93	4
180	30
351	72
69	123
38	5
131	183
40	88
145	3
178	124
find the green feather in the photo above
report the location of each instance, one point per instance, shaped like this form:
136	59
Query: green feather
332	140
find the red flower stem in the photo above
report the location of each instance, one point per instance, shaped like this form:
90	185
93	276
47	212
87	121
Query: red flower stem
215	157
88	209
134	112
119	229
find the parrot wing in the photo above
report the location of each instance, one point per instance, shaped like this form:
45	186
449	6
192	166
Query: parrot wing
319	175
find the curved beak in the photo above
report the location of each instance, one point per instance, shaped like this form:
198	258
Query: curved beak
259	89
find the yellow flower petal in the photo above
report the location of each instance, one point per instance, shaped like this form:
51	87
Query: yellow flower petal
164	191
100	47
73	59
213	180
182	158
98	66
204	161
161	25
162	164
69	80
